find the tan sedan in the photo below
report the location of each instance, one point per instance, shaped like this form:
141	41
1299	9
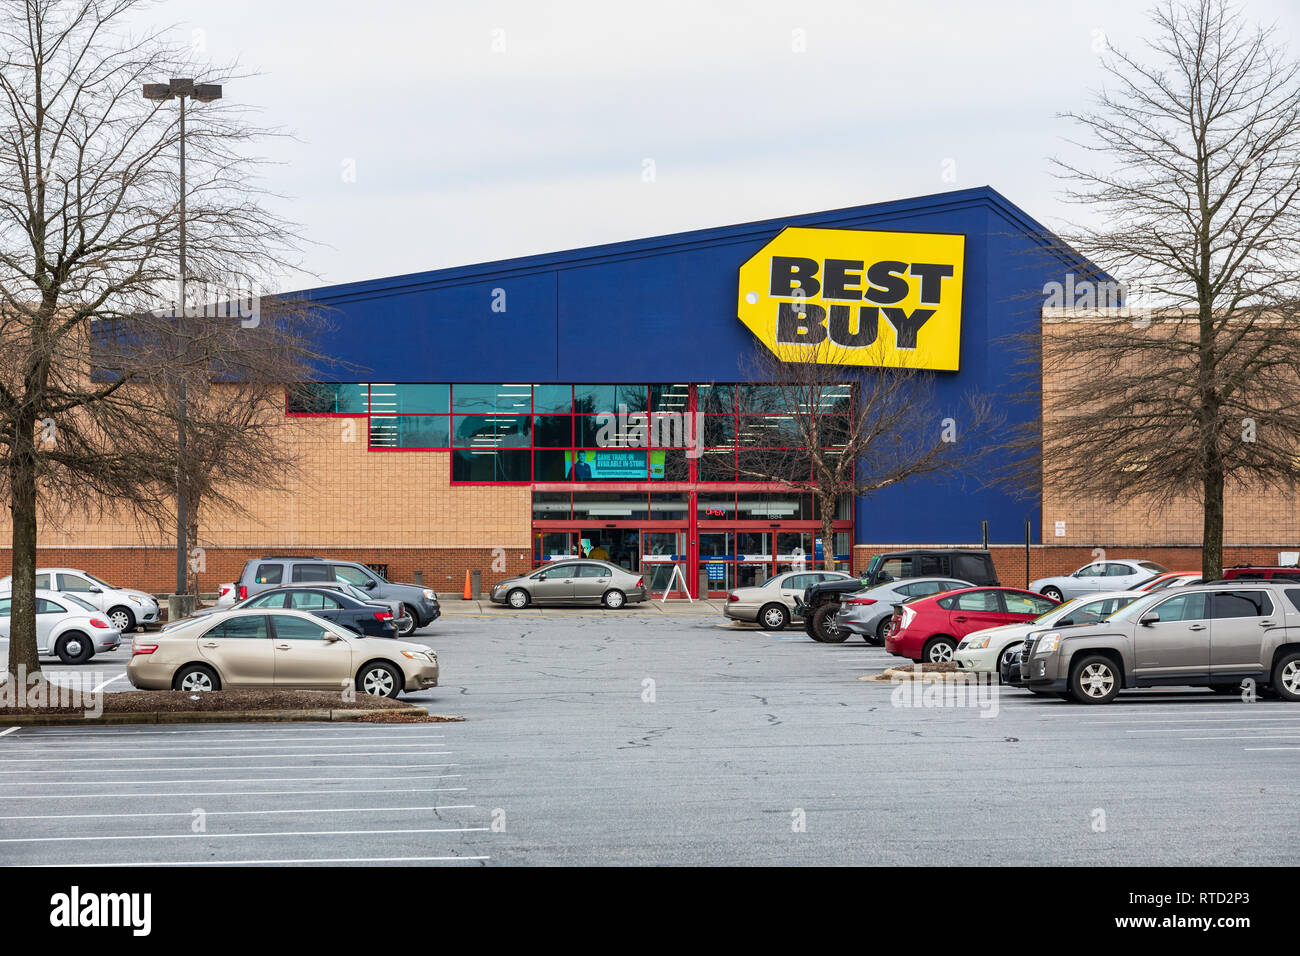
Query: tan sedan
282	649
771	603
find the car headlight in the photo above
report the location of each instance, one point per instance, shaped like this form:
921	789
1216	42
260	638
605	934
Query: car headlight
418	656
1048	643
135	599
975	644
430	594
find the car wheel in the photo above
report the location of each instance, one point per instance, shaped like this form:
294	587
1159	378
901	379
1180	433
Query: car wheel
196	677
1053	593
74	648
122	619
809	629
410	626
1286	677
613	599
1094	680
379	680
517	598
938	650
884	629
773	617
828	631
1006	657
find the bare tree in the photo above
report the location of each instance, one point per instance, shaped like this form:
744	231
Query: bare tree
89	202
1191	386
835	429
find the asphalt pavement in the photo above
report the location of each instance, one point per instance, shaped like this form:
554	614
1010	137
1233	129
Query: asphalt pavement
644	737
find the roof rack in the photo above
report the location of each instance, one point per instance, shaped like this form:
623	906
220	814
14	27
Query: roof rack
290	557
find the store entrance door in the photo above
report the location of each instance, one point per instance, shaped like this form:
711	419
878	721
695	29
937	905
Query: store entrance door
621	546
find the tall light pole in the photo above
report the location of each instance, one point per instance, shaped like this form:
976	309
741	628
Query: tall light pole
181	89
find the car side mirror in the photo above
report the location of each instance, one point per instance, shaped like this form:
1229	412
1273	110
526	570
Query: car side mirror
95	591
331	638
1149	618
1068	622
369	585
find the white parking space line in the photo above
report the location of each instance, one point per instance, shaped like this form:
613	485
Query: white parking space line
58	752
346	766
301	862
1249	737
359	753
1183	730
236	836
129	733
228	793
111	680
229	813
8	731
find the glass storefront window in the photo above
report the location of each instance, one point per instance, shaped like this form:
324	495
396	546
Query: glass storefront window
550	464
512	467
610	506
774	506
594	399
319	398
776	465
397	399
719	431
550	506
669	506
492	398
553	431
715	399
553	398
716	466
763	399
670	398
410	431
492	431
715	507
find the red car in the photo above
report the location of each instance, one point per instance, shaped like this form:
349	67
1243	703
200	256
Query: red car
928	629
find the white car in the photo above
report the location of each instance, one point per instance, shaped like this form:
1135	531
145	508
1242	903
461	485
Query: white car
983	651
66	627
1099	576
771	603
126	608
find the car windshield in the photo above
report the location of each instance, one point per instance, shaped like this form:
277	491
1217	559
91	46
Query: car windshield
79	602
353	591
102	584
1152	566
1055	612
1136	608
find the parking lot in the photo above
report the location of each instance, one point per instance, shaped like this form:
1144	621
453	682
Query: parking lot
646	737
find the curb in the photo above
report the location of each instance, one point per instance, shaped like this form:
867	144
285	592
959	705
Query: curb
901	675
211	717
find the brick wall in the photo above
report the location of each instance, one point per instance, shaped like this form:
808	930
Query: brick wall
154	569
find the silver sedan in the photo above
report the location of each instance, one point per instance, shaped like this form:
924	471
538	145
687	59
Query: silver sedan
870	612
573	582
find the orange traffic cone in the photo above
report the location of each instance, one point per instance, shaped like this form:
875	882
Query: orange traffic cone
468	595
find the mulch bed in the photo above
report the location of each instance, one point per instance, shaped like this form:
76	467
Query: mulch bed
179	701
408	718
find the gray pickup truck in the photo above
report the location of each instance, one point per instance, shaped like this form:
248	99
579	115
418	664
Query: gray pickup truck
1216	635
418	604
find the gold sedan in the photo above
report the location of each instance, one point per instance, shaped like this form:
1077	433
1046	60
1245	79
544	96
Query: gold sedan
245	649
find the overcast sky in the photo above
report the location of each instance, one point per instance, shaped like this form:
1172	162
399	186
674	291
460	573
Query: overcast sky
437	133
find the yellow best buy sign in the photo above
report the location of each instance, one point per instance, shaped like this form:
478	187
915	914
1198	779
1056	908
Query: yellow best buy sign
854	297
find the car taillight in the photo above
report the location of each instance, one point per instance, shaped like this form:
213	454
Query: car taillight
243	592
640	582
96	622
142	648
383	615
860	601
733	596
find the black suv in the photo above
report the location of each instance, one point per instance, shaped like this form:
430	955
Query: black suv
821	601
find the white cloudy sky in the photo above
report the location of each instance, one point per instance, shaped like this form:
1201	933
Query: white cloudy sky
463	153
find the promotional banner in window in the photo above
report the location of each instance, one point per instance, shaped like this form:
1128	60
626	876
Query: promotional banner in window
613	465
857	297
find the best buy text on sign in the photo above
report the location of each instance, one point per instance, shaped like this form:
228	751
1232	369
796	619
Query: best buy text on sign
857	298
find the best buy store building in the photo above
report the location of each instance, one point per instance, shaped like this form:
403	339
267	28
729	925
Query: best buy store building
484	387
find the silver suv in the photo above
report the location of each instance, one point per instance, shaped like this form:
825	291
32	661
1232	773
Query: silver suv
418	605
1215	635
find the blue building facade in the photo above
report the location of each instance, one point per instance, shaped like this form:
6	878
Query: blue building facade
509	339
